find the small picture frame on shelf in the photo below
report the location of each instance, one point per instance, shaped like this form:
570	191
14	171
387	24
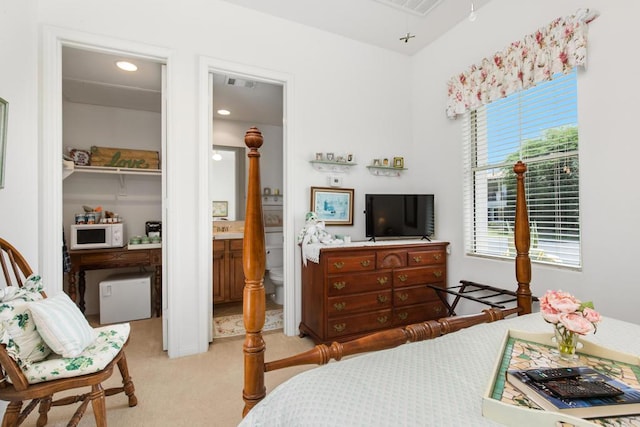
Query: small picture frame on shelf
398	162
219	209
319	157
376	162
330	157
334	206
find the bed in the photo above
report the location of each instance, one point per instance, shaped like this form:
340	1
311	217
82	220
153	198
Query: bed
407	377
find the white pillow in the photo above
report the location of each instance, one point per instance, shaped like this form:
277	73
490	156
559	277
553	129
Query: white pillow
61	324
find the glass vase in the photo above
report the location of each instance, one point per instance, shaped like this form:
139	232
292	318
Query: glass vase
566	343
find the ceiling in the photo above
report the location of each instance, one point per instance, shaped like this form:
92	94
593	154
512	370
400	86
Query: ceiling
91	77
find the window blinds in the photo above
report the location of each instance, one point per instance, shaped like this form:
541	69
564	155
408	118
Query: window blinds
540	127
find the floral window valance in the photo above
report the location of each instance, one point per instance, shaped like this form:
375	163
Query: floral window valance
558	47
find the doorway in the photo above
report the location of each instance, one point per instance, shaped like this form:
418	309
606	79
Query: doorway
57	45
247	85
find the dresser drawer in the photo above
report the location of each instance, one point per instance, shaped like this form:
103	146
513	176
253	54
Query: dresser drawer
342	305
415	258
414	295
351	263
411	276
349	325
341	284
418	313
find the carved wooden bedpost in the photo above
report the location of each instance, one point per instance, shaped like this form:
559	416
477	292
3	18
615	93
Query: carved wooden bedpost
253	262
522	242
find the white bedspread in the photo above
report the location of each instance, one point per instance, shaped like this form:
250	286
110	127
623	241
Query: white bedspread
431	383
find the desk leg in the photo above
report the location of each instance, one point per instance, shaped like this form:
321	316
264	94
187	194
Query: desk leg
157	284
81	289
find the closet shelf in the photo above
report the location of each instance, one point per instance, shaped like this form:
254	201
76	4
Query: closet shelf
69	168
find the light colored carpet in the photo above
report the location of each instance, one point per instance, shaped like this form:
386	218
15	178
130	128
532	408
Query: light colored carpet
200	390
233	325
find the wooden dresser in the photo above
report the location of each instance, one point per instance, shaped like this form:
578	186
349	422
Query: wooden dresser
356	290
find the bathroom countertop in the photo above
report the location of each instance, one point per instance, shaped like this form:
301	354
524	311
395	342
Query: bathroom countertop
226	236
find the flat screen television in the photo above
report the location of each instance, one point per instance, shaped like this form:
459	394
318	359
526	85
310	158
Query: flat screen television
399	215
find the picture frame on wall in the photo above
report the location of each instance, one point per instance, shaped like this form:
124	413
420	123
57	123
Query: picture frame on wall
334	206
4	116
219	209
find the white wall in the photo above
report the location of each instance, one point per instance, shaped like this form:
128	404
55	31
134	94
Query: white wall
347	95
607	108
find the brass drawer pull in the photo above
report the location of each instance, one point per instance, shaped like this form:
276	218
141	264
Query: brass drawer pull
437	310
339	327
417	259
383	280
403	296
437	256
340	305
365	263
382	299
438	273
338	264
339	285
403	315
403	277
383	319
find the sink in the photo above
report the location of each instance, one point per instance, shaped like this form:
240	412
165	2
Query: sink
228	235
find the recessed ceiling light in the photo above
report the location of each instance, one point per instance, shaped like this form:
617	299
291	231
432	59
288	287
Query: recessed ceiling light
126	66
224	112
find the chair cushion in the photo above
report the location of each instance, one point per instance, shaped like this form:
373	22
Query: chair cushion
17	327
110	340
62	325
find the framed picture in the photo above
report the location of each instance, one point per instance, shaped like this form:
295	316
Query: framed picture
398	162
4	114
220	209
334	206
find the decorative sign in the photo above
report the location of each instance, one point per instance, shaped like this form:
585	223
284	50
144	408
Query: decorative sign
124	158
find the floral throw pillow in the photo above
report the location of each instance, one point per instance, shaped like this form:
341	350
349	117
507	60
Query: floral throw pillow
17	329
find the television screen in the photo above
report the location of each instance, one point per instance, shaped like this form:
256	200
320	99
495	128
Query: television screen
399	215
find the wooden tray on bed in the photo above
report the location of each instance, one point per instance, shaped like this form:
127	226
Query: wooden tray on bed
503	403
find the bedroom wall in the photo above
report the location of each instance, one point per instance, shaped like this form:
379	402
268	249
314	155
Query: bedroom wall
347	95
607	108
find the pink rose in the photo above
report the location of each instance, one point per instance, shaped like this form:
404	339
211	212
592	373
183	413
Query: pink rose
554	303
577	323
591	315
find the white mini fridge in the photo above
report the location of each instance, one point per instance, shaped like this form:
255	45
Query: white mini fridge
125	297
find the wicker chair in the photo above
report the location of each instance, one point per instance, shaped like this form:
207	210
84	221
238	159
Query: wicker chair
18	386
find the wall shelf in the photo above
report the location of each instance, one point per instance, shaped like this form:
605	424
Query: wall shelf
69	168
326	166
385	170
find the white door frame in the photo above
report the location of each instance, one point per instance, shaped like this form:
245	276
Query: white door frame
213	65
50	148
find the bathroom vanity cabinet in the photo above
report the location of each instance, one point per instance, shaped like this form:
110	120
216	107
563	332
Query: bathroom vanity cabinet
228	275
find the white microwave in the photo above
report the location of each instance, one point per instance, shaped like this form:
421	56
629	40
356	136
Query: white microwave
96	236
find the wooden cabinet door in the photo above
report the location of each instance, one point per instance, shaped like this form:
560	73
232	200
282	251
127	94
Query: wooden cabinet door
236	273
219	274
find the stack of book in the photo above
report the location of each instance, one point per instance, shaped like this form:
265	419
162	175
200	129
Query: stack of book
577	391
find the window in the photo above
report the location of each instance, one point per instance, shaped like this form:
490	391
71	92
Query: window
540	127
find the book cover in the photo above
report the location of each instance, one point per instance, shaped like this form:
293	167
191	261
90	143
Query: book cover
627	403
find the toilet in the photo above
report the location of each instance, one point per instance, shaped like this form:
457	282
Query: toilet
274	265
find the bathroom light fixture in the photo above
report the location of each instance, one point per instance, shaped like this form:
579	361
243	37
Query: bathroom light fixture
126	66
224	112
472	15
216	156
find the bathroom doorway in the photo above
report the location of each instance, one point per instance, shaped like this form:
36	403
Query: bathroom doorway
238	102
